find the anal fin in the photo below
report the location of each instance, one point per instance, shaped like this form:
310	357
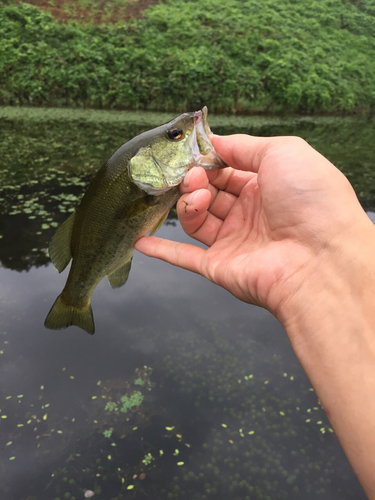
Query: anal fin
120	276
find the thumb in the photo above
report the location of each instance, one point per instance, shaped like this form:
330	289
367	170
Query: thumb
240	151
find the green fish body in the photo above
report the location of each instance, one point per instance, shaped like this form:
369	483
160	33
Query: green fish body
130	196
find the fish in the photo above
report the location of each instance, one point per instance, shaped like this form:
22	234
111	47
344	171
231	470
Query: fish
130	196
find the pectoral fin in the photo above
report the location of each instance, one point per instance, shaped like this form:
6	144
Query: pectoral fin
138	206
159	223
120	276
60	245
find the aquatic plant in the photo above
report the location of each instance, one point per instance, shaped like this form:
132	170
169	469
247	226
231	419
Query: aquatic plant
111	406
148	459
128	402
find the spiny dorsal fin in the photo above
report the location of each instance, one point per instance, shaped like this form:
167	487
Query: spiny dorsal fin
120	276
59	247
159	223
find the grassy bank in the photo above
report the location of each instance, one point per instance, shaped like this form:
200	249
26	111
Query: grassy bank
233	55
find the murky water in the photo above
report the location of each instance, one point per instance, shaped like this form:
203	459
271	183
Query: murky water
183	392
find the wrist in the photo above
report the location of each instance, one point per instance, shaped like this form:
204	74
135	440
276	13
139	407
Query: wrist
330	320
341	277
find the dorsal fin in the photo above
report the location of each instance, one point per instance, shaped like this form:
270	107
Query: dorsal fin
60	245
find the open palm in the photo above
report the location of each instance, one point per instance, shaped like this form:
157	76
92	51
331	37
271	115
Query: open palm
264	221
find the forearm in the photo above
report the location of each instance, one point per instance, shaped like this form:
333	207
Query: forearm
331	324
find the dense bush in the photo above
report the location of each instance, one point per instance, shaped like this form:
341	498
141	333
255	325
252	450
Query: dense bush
234	55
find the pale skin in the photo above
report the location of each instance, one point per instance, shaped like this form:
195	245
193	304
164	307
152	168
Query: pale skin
285	231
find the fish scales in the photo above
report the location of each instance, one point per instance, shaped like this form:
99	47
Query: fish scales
130	196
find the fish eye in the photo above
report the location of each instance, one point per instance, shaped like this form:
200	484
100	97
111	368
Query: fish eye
175	134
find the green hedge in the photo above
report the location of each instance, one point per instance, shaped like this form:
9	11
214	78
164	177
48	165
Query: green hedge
233	55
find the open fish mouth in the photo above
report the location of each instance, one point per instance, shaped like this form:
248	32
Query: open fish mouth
203	151
163	164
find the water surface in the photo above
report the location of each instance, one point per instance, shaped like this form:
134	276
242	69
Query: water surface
223	408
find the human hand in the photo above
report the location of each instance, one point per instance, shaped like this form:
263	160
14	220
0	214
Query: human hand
268	222
285	230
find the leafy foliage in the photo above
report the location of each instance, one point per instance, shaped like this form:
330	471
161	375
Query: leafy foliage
111	406
135	400
126	403
234	55
107	433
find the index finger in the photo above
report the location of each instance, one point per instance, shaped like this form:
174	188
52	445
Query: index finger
229	180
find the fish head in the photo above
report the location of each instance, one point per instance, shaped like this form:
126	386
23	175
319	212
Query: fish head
168	152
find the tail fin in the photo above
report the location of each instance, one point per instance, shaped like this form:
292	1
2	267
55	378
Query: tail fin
61	316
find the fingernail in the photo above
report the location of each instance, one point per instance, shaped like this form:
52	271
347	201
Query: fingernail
190	198
187	178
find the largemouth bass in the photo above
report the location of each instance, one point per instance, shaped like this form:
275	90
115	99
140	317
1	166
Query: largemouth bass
130	196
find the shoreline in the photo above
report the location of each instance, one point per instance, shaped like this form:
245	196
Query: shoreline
140	117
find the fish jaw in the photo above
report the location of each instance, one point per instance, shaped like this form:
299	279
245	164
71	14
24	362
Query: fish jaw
159	166
204	153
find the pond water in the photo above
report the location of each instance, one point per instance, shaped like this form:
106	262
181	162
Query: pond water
184	392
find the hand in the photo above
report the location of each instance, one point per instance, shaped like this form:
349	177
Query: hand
268	222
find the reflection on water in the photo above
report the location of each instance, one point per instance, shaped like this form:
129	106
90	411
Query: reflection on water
48	158
184	392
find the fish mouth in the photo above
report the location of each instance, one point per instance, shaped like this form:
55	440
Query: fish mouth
204	153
